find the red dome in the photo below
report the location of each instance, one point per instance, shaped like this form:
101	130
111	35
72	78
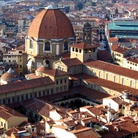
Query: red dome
10	76
51	23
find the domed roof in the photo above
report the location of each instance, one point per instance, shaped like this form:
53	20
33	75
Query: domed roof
51	23
10	76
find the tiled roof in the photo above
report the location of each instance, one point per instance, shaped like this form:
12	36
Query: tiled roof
72	62
112	68
133	59
86	133
51	23
42	69
89	93
108	84
10	76
83	45
55	72
32	76
21	47
121	49
40	106
114	46
113	39
123	129
104	55
25	85
6	112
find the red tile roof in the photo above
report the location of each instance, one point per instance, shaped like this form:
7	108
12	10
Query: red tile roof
121	49
83	45
112	68
25	85
72	62
51	23
86	133
104	55
55	72
6	112
105	83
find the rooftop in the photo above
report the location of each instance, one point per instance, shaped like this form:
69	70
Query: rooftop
123	25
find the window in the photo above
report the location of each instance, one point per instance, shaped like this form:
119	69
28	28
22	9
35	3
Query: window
56	89
65	87
73	49
60	88
99	74
79	50
44	92
61	81
26	96
106	76
52	91
47	46
22	97
66	45
47	92
31	44
114	78
123	81
57	82
131	83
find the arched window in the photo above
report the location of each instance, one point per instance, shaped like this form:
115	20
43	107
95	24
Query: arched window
66	45
47	46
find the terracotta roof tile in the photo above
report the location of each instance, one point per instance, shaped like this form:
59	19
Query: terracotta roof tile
72	62
51	23
83	45
55	72
104	55
105	83
25	85
112	68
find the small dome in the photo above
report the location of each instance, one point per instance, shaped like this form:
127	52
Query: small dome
51	23
10	76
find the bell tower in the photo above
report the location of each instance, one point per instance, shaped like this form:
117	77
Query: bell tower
87	33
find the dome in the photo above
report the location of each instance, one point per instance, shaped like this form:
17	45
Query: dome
10	76
51	23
